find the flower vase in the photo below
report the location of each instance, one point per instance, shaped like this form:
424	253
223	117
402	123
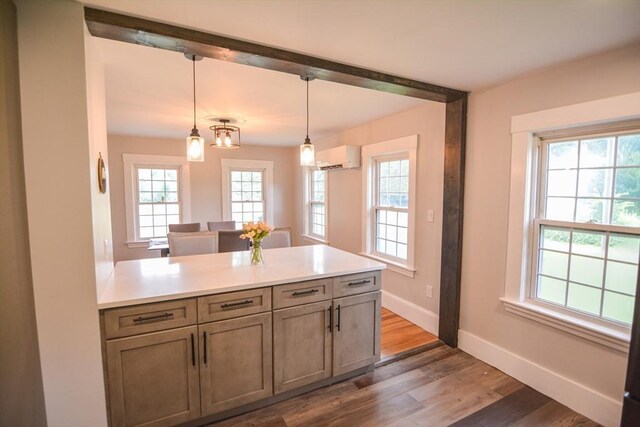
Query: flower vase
256	253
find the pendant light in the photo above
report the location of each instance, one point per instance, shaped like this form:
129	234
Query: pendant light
226	135
307	153
195	143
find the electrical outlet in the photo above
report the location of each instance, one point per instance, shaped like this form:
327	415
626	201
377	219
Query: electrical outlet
429	216
429	291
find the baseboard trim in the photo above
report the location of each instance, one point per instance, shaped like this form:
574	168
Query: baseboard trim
415	314
578	397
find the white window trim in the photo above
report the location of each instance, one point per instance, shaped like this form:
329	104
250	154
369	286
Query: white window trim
405	145
131	161
522	207
306	180
232	164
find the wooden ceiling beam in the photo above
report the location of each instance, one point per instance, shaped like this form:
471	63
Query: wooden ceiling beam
130	29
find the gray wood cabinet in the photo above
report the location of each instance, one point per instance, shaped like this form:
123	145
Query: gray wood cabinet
153	378
235	362
301	345
356	337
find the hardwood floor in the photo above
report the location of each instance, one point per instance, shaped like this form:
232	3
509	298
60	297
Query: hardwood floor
438	387
400	335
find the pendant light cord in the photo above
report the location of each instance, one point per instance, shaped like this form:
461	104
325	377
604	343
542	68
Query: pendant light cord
193	58
307	80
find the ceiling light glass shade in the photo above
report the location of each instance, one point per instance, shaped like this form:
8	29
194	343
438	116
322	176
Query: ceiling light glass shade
195	148
218	141
307	154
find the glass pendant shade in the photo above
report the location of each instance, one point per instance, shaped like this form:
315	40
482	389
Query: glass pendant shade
195	148
307	154
226	135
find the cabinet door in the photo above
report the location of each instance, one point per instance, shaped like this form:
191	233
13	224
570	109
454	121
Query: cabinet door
236	357
301	345
153	378
356	332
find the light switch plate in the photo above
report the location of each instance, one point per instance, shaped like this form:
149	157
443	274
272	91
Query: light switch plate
429	216
429	291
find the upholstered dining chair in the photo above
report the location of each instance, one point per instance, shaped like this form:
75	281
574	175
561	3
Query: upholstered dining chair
221	225
279	238
184	228
181	244
230	241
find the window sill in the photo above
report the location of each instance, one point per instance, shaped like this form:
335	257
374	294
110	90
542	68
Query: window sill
138	244
314	239
397	267
591	331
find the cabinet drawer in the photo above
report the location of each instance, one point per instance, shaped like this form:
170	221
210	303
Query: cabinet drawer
140	319
233	304
301	293
356	284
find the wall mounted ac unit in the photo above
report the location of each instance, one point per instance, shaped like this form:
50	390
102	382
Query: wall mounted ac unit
343	157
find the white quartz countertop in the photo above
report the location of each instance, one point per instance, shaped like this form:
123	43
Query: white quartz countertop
162	279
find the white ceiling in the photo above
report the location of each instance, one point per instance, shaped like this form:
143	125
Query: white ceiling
463	44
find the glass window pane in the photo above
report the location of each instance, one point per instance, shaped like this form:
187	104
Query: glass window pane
617	307
237	217
146	232
563	155
586	270
402	235
402	251
553	238
159	186
595	182
159	209
145	221
403	219
628	183
173	219
256	176
159	220
629	150
171	175
588	243
596	152
392	217
159	231
144	186
584	298
562	183
173	209
172	186
145	210
144	173
554	264
171	197
392	232
391	248
621	277
560	208
624	247
157	174
236	176
382	231
552	290
145	197
384	169
158	197
626	212
246	176
592	210
382	216
381	245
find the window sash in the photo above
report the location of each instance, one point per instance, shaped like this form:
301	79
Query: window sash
313	223
138	203
539	221
240	215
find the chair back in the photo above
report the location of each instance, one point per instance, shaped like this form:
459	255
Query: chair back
230	241
221	225
279	238
184	228
181	244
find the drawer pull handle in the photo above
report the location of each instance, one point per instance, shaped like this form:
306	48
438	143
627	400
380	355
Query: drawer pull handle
338	322
309	292
362	282
237	304
330	318
206	350
193	350
164	316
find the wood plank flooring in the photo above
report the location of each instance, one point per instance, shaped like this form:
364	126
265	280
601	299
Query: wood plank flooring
400	335
438	387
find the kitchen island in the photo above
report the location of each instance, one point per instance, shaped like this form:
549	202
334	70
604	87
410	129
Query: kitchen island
200	338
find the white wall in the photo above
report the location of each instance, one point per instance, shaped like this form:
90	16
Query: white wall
205	183
345	200
593	367
59	142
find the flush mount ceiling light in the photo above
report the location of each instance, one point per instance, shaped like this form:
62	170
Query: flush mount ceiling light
225	134
307	152
195	143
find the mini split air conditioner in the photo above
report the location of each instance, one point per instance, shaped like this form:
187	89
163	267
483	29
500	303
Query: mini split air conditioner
343	157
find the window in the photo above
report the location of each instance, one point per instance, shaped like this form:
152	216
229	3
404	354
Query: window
389	180
573	229
158	200
247	196
391	207
588	244
316	204
247	191
156	195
